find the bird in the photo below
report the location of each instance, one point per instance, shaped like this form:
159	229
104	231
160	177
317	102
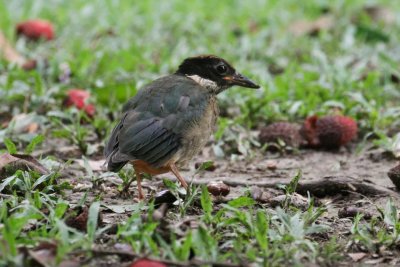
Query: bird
171	119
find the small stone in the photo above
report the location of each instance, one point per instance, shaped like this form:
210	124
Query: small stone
271	165
218	188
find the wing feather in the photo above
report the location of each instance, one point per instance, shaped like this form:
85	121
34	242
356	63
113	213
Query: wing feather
154	123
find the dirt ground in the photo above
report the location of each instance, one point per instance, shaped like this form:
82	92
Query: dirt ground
340	179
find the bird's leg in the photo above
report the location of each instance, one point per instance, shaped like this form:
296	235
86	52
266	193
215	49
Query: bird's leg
175	171
139	185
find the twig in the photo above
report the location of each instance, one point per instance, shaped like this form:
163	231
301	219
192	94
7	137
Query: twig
333	185
330	185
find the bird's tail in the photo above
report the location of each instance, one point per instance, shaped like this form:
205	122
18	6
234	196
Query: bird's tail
114	166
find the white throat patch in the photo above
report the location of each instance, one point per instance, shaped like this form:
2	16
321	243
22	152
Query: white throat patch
204	82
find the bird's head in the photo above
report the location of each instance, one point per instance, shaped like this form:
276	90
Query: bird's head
213	73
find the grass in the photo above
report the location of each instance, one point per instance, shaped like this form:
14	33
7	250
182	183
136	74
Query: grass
112	48
273	237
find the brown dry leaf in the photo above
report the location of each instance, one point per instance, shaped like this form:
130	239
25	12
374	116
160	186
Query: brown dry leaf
26	123
12	56
32	128
77	218
357	256
45	255
303	27
10	163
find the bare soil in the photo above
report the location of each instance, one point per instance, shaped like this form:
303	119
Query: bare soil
341	179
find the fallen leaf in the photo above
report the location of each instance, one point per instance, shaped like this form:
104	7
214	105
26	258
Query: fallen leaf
10	163
32	127
45	255
78	217
123	208
357	256
25	124
9	53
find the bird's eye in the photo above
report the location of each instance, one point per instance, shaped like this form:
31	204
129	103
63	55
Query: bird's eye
221	69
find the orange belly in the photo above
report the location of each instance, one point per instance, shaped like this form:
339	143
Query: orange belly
143	167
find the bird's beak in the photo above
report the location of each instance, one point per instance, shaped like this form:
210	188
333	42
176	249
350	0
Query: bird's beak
240	80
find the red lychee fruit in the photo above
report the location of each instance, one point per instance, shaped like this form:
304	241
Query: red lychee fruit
329	132
90	110
308	131
287	132
36	29
79	98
